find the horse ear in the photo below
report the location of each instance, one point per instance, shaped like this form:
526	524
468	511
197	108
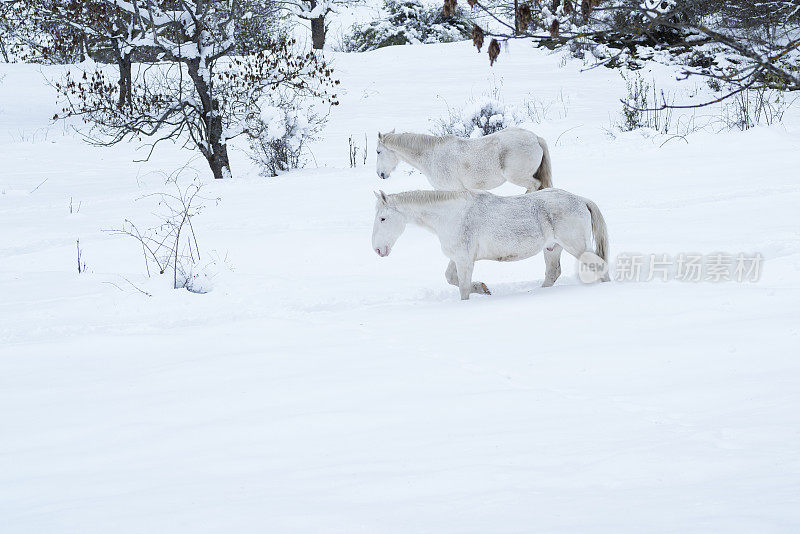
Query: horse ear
380	136
383	197
392	130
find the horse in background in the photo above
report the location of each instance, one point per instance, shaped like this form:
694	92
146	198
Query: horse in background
452	163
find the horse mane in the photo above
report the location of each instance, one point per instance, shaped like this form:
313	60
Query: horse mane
424	196
415	142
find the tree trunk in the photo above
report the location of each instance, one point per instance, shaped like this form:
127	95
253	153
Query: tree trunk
125	79
3	50
318	33
84	49
215	149
218	158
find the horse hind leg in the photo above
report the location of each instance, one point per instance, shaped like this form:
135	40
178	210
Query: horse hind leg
552	261
530	183
576	246
518	171
451	274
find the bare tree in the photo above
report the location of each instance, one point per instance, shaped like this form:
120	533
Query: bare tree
33	33
62	31
196	94
258	24
768	57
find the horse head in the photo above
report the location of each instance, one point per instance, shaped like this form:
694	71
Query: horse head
387	159
388	226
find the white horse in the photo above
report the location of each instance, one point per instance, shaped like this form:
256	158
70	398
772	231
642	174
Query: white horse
449	162
481	226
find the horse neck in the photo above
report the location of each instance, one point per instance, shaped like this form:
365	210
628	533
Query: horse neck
435	216
417	154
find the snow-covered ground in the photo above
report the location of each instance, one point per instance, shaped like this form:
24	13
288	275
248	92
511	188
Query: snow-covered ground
320	388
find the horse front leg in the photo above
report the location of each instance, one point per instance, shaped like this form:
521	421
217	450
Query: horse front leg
451	275
464	269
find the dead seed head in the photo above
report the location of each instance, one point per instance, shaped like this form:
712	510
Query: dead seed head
477	37
494	51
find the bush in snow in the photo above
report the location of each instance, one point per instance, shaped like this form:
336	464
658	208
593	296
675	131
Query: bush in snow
171	245
489	113
752	107
408	22
645	106
280	133
478	118
202	276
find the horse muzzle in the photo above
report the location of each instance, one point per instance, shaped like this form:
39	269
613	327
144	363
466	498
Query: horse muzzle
383	252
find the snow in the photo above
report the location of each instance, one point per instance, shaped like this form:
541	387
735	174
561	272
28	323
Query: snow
274	120
320	388
319	10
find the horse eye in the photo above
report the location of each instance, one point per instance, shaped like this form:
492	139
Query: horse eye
379	151
383	219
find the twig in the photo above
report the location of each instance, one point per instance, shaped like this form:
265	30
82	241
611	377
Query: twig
115	285
38	186
673	137
142	291
78	246
565	131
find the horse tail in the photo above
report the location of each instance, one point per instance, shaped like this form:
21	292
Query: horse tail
599	230
545	171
